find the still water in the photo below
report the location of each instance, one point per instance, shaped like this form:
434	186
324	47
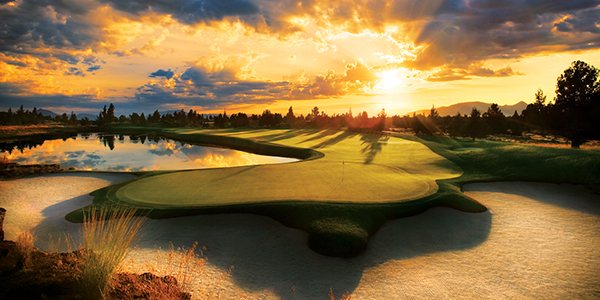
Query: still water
102	152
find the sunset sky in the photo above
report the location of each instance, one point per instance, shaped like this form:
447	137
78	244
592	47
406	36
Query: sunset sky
252	55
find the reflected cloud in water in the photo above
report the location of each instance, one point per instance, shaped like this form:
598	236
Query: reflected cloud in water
130	153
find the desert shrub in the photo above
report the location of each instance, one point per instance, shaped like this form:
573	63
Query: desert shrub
346	296
24	244
107	237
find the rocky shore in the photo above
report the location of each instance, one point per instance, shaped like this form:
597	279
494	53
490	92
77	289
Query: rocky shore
15	170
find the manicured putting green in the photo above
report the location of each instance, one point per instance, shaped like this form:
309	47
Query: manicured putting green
355	168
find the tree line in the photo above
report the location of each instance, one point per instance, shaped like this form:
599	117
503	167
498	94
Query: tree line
574	114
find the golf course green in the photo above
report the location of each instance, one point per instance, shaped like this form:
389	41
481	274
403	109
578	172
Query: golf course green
347	183
355	169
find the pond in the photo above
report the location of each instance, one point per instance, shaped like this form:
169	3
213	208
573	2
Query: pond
109	152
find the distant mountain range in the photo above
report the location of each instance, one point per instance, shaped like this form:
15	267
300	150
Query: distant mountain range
467	107
46	112
92	117
80	116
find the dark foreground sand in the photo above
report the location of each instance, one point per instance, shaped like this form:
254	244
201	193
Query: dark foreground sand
537	240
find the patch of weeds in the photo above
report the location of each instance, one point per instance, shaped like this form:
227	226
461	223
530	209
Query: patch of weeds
24	248
107	237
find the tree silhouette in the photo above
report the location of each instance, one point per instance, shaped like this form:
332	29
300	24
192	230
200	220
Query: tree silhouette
495	119
239	120
456	125
536	113
433	120
418	125
110	117
574	114
266	119
475	127
73	118
382	115
290	118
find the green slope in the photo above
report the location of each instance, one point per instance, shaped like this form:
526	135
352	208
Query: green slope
366	168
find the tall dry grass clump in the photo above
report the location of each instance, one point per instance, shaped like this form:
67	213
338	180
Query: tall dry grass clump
346	296
108	235
24	245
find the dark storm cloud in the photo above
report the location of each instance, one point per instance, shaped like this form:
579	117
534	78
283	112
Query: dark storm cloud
162	73
498	29
188	11
50	31
207	91
75	71
75	154
16	63
31	25
198	86
453	37
9	88
582	21
10	95
94	157
451	31
162	152
94	68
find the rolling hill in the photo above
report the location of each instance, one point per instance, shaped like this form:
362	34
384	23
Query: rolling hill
466	107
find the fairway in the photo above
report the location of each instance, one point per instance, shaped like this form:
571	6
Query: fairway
357	168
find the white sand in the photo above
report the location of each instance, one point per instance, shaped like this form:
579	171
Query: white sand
40	203
536	241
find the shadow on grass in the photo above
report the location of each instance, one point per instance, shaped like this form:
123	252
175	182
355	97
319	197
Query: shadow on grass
241	170
336	139
321	134
288	134
373	144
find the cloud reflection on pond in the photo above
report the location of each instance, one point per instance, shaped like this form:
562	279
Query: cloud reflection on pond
129	153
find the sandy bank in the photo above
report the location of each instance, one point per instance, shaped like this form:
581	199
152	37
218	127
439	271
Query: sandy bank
536	241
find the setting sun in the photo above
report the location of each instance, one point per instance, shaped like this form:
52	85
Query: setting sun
389	80
251	55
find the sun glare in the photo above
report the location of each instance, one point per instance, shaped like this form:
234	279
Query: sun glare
389	80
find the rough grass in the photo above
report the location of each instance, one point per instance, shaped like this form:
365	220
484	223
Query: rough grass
505	161
107	238
24	247
348	184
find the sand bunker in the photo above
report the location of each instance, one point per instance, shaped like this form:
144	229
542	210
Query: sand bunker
43	200
536	241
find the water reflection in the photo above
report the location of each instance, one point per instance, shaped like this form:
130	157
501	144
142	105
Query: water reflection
108	152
